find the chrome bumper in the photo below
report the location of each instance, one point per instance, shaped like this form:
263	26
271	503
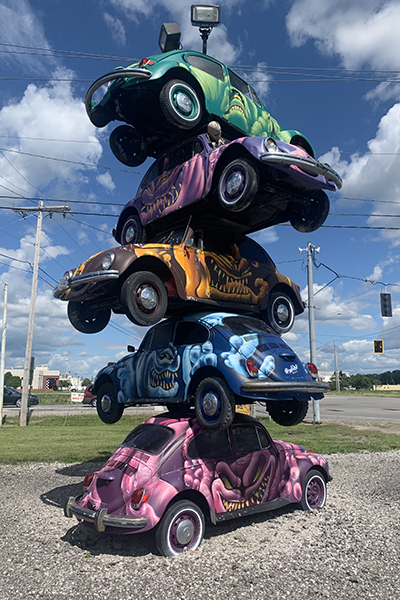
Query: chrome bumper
284	386
307	164
66	283
100	519
134	73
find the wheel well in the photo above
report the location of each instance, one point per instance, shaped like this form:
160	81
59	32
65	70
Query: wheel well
299	140
127	212
232	153
101	381
148	263
187	77
201	374
195	497
286	289
320	470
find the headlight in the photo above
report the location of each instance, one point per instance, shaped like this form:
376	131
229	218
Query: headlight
271	145
108	260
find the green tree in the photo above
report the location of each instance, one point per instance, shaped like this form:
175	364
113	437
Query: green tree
85	382
12	380
64	383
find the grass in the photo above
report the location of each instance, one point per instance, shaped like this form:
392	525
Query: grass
376	393
84	438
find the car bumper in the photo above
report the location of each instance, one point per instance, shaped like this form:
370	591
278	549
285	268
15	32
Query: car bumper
135	73
66	283
100	519
306	164
284	386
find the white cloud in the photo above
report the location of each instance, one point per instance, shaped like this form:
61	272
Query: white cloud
116	27
106	181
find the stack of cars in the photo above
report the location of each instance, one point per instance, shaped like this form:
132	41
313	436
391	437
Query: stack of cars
223	168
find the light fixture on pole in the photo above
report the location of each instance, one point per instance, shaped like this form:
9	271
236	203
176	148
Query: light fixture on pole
205	17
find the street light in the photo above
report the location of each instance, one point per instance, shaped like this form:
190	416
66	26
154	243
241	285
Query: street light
170	37
205	17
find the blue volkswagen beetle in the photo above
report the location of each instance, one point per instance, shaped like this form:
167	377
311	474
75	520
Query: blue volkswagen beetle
212	361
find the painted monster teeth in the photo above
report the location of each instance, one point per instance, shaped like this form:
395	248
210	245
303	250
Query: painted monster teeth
256	498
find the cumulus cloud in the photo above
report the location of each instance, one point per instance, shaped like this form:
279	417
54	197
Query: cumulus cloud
116	27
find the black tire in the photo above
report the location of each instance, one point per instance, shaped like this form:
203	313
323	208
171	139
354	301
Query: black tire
237	185
177	409
87	320
280	312
181	528
180	104
314	491
18	403
108	409
287	412
144	298
93	402
214	403
126	146
311	214
132	231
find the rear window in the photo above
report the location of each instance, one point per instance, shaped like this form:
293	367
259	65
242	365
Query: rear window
245	325
210	444
149	438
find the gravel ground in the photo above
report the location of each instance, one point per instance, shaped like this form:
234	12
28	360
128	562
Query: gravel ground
350	549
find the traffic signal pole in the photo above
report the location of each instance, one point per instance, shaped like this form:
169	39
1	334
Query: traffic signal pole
28	352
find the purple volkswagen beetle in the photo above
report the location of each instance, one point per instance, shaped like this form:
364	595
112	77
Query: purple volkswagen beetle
247	184
172	474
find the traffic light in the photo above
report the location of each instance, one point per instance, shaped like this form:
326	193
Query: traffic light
386	305
378	346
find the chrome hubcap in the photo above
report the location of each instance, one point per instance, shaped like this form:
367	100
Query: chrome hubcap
148	298
210	404
184	103
106	403
234	183
282	313
184	532
130	234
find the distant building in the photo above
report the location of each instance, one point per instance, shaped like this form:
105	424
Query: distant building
43	377
387	387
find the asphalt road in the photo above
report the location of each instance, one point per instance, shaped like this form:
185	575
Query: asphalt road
349	408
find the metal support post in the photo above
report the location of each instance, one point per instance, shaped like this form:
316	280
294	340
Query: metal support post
3	352
336	369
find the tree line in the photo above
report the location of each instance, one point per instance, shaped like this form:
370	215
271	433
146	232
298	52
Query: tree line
365	382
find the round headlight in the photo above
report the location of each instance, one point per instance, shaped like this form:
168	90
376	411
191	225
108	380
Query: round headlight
271	145
108	260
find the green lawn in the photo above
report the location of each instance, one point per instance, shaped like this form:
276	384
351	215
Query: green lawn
84	438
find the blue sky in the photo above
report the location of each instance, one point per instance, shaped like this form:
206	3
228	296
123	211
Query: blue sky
329	69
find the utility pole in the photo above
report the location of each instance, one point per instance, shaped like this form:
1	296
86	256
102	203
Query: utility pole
3	352
336	369
28	352
311	317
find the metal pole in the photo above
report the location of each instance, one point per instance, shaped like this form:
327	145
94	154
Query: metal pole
336	369
28	352
3	352
311	322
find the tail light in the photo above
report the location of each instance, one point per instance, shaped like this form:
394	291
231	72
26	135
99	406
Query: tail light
146	62
312	369
138	497
252	368
88	480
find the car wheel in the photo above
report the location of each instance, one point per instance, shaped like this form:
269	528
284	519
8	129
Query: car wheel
93	402
144	298
314	491
133	231
311	214
87	320
108	409
280	313
214	403
181	528
126	146
237	185
18	403
288	412
180	104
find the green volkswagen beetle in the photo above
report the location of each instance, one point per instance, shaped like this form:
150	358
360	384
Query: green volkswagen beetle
163	96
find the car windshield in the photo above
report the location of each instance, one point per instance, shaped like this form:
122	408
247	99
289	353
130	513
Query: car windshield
149	438
245	325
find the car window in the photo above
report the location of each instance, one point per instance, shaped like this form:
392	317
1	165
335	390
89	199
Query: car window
146	342
245	325
185	152
253	252
188	333
153	172
210	444
208	66
245	438
221	243
149	438
263	438
161	335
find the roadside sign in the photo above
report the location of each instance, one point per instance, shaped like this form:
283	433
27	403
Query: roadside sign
378	346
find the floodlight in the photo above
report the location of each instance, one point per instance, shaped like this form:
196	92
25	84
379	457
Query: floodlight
205	15
170	37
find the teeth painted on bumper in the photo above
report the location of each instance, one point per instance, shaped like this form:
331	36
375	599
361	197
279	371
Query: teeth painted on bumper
101	519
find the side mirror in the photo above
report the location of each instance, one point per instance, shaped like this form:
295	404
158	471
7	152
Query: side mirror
131	348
